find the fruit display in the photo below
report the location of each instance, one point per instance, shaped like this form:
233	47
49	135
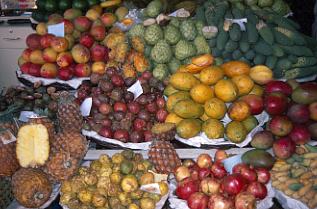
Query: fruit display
265	38
219	101
114	182
48	7
6	196
296	176
291	107
117	114
205	183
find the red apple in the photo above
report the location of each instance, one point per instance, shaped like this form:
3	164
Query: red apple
136	136
160	102
98	32
275	103
46	40
64	59
134	107
197	200
255	102
194	174
257	189
300	134
298	113
120	107
108	19
278	86
220	155
49	70
35	70
209	186
218	170
151	107
280	125
234	184
82	23
263	175
313	111
187	187
104	108
82	70
117	80
49	55
204	161
87	40
239	167
284	148
181	173
65	74
121	135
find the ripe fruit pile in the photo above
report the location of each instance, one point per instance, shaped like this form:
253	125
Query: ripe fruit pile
293	111
296	176
117	114
206	184
198	93
113	183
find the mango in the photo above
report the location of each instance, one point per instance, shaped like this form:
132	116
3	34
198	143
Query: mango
258	158
188	128
174	98
183	81
188	109
305	93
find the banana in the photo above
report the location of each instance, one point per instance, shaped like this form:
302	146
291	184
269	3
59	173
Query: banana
110	3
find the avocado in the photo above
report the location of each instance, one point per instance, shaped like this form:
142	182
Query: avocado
258	158
305	93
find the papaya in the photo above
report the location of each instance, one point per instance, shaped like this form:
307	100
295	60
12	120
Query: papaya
188	109
258	158
236	132
305	93
226	90
188	128
169	90
183	81
213	129
176	97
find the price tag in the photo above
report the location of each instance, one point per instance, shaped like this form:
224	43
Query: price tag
57	29
7	137
85	107
136	89
151	188
240	22
25	115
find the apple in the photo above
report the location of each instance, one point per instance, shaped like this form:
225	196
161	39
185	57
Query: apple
86	40
298	113
220	155
218	170
106	132
161	115
121	135
209	186
203	173
233	184
98	53
25	68
108	19
49	55
187	187
33	41
219	201
26	54
257	189
275	103
59	44
249	174
263	175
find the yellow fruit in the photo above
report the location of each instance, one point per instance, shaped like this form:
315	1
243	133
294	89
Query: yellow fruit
183	81
236	132
98	67
201	93
244	84
239	111
235	68
188	128
169	90
41	28
204	117
203	60
174	98
226	90
215	108
188	109
133	206
92	14
173	118
257	90
261	74
213	129
163	188
147	178
129	183
211	75
147	203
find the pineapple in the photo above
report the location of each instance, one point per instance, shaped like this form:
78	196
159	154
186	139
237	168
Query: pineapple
61	166
32	148
164	131
46	122
72	142
8	160
6	196
164	157
69	115
31	187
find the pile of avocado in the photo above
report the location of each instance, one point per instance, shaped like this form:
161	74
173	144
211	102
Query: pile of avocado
48	7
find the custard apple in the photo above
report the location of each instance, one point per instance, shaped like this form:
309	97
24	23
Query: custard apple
147	50
137	30
173	65
199	27
188	30
171	34
201	45
175	22
161	52
184	49
160	71
153	34
187	61
154	8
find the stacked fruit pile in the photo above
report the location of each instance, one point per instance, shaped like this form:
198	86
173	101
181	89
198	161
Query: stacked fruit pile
197	98
116	113
296	176
48	7
206	184
169	45
113	183
268	38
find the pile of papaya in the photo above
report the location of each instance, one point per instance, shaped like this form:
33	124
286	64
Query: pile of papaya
259	36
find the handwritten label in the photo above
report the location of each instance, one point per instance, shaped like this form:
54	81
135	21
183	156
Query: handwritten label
7	137
136	89
25	115
85	107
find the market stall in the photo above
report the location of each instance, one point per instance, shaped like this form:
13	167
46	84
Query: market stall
155	104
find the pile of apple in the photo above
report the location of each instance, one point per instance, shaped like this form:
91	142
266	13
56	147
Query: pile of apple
116	113
293	111
79	53
207	184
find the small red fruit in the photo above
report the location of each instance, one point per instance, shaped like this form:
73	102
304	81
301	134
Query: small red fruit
65	74
234	184
284	147
105	132
258	190
121	135
117	80
120	107
280	125
300	134
278	86
204	161
139	124
218	170
263	175
161	115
